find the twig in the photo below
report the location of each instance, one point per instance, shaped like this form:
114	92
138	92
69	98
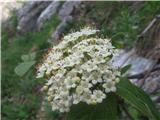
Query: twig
149	26
137	76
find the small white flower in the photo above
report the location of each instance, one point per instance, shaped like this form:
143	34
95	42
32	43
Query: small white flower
94	82
40	75
79	90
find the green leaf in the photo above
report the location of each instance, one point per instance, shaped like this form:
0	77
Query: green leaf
115	40
22	68
107	110
25	58
137	98
29	57
133	112
125	69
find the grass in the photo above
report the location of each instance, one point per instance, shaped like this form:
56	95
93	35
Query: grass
20	95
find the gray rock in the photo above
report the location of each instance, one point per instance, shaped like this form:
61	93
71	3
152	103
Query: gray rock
67	9
139	64
59	30
27	21
47	13
27	7
150	81
8	8
65	16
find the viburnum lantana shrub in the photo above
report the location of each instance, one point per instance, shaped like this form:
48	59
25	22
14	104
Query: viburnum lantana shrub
82	81
79	70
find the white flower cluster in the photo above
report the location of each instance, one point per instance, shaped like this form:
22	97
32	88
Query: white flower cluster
78	70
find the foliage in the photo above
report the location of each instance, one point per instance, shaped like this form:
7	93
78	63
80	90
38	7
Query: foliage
137	98
107	110
19	111
125	69
20	94
115	42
